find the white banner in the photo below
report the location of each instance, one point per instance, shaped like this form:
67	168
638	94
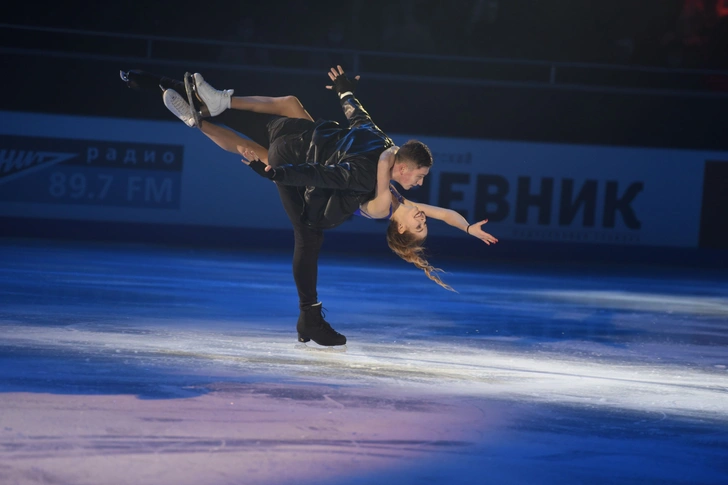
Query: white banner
105	169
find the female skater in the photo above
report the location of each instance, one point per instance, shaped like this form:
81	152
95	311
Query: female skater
407	229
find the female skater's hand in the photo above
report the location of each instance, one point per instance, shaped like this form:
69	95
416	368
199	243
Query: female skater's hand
386	159
342	83
476	229
248	155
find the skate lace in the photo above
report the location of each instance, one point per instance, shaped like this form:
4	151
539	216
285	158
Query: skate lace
180	105
324	324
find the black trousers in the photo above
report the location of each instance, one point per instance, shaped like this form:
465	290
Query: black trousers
284	138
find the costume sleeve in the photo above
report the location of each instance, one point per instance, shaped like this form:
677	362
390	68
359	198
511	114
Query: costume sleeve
345	175
355	112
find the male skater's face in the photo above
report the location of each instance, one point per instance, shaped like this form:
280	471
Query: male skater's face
408	175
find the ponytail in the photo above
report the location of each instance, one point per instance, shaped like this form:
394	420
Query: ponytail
409	248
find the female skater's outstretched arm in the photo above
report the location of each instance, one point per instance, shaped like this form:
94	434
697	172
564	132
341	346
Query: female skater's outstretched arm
454	219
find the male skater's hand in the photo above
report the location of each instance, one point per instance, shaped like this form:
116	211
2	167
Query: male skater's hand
253	161
342	84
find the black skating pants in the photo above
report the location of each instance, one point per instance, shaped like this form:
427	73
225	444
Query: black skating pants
286	145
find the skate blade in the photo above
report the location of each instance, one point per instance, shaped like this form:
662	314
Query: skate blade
203	112
189	87
311	346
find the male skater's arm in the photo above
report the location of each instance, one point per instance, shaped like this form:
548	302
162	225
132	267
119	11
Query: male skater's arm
350	178
345	175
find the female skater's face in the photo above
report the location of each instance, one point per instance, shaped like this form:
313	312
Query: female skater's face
411	219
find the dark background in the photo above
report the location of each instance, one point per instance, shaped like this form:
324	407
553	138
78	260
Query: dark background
632	73
407	94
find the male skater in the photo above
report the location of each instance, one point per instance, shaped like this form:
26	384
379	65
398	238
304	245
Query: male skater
323	171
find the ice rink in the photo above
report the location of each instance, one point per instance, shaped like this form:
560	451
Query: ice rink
128	364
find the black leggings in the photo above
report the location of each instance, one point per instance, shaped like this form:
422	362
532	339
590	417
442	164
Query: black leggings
286	146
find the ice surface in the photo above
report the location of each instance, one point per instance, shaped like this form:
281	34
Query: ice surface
124	364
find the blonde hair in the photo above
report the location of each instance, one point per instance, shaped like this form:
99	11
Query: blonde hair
408	247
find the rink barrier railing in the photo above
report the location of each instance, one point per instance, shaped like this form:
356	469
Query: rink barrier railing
138	49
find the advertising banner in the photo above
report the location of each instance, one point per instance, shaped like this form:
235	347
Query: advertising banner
106	169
